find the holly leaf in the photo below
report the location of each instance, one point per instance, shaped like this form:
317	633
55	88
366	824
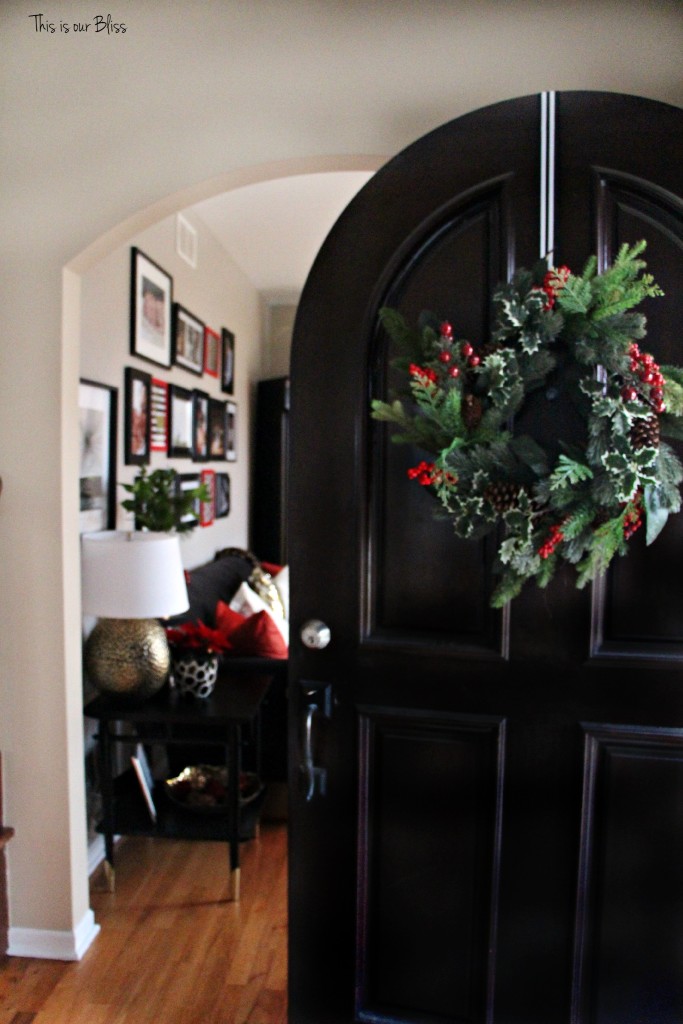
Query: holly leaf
656	514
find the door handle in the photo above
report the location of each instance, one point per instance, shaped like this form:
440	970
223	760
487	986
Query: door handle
318	705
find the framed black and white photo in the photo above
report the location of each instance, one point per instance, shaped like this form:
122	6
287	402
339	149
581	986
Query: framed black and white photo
136	423
222	495
231	431
188	340
190	482
158	424
179	422
200	425
216	429
98	407
227	361
151	304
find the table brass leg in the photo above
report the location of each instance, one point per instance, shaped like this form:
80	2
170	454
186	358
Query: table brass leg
235	885
109	876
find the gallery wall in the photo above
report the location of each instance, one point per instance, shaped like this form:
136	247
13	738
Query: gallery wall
218	293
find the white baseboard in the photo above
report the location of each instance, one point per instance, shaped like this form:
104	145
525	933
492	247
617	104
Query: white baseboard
96	854
52	945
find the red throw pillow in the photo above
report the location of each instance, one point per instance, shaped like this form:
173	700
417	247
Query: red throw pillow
269	567
227	620
259	636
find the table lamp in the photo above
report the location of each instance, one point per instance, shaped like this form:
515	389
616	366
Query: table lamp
130	580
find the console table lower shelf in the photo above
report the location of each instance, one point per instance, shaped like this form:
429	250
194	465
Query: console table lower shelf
229	720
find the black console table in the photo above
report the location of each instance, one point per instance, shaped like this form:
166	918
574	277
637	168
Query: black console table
228	719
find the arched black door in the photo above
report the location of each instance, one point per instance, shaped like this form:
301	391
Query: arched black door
495	833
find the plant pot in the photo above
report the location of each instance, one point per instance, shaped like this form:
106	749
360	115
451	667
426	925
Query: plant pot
195	673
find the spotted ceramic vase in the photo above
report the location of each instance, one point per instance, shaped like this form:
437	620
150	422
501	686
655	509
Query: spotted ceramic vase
195	673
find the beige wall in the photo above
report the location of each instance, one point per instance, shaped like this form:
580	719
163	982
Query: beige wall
104	136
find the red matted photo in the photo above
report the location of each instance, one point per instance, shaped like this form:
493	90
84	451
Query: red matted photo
212	348
158	425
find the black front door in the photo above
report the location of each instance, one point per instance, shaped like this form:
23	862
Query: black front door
488	823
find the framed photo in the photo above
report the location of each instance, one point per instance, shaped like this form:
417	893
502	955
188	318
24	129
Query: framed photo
136	424
231	431
189	482
208	508
98	408
200	426
179	422
145	778
158	424
188	340
212	351
216	429
227	361
222	504
151	301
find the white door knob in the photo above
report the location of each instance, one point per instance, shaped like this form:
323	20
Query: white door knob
315	634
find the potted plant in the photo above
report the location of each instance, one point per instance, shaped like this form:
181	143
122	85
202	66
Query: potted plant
195	648
160	505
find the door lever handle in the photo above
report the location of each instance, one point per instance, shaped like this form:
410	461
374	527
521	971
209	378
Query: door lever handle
316	776
319	704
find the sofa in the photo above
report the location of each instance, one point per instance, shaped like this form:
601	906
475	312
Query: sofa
235	583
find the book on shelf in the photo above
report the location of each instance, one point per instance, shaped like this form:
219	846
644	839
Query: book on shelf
145	778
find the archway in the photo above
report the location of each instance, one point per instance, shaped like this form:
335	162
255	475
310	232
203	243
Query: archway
73	276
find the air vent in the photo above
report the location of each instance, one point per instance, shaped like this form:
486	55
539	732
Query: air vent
186	242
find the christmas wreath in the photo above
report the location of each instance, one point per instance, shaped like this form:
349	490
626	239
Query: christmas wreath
556	502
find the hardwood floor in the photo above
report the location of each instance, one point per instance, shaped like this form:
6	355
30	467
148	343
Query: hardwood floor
172	949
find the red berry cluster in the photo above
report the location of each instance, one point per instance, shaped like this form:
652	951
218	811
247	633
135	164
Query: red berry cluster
633	519
446	355
553	282
648	373
426	474
423	374
555	537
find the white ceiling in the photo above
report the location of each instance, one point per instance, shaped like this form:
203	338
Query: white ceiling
274	229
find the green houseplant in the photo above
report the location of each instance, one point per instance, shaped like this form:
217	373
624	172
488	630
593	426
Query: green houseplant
158	503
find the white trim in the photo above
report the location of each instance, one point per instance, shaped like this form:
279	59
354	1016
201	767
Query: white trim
96	854
547	197
50	945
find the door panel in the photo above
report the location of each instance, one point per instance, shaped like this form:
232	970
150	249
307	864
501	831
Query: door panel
630	905
499	783
430	816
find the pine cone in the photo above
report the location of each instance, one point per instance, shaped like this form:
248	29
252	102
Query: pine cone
502	495
471	411
645	432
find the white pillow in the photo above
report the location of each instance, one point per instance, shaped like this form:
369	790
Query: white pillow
281	581
247	602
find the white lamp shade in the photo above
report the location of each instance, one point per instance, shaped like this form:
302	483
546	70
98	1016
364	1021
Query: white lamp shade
132	575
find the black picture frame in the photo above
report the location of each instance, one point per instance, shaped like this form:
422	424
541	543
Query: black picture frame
179	422
200	425
188	340
98	411
231	431
216	446
189	482
151	305
137	416
222	495
227	361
